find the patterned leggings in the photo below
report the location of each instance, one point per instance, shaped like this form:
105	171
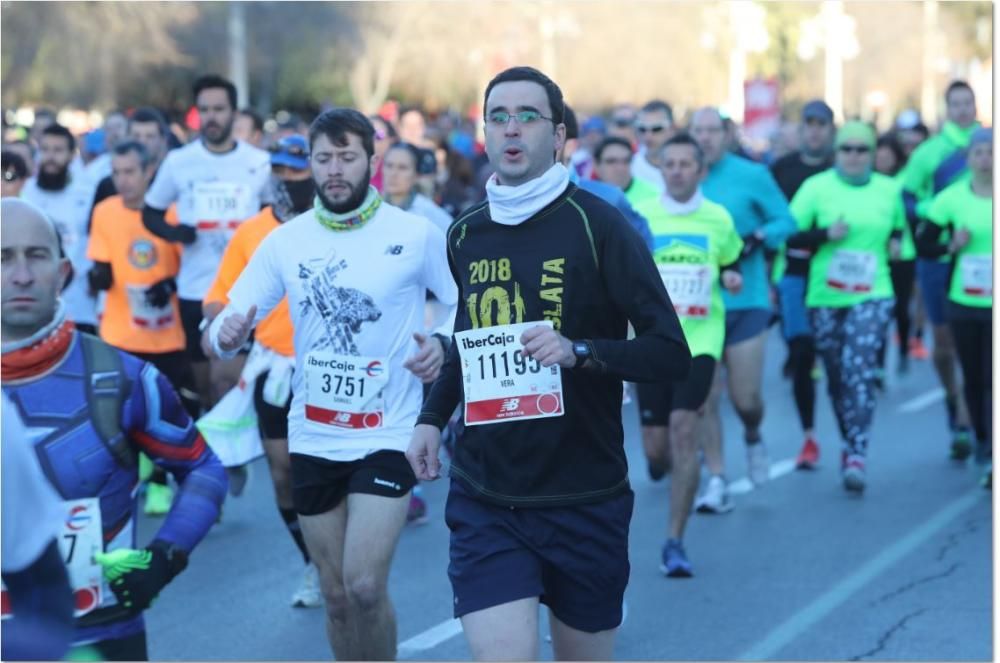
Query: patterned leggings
848	341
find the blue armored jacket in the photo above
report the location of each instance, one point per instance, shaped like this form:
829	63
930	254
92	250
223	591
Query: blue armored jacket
88	418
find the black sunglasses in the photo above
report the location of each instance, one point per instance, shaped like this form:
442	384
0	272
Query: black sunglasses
655	129
622	122
855	149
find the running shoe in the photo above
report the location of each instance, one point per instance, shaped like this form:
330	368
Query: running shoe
808	456
159	498
961	444
918	350
715	499
308	594
239	476
758	463
903	368
854	473
987	480
417	513
675	562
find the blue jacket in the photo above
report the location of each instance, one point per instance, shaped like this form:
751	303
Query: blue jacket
752	197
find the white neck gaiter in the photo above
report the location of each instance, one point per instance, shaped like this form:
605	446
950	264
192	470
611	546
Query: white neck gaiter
513	205
678	208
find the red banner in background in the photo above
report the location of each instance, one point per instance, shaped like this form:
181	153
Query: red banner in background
761	107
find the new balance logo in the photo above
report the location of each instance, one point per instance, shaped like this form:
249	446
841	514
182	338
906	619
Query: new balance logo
510	405
394	249
386	484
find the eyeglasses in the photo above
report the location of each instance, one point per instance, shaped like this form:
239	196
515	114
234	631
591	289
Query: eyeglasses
855	149
654	129
622	122
291	150
501	118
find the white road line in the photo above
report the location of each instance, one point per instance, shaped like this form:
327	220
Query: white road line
432	637
779	469
809	616
922	401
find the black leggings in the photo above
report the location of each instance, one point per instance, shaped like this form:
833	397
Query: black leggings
973	342
903	274
801	360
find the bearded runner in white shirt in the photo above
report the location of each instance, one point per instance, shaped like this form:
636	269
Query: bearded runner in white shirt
65	199
356	271
218	183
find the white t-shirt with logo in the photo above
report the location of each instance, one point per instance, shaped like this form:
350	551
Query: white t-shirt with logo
647	172
215	193
69	210
356	297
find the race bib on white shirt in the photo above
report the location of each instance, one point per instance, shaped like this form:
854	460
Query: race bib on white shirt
145	316
501	383
977	275
216	203
80	538
851	271
345	391
689	287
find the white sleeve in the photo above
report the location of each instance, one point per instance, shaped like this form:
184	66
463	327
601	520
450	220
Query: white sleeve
259	284
32	512
163	191
436	275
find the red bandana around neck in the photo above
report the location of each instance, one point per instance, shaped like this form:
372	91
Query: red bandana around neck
38	357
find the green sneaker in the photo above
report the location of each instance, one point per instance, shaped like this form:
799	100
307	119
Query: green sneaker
961	444
159	498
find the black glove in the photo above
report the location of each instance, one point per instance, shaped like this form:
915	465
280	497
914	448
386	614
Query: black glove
158	294
100	276
137	576
185	234
750	244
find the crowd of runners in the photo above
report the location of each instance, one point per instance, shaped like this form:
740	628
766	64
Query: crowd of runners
369	301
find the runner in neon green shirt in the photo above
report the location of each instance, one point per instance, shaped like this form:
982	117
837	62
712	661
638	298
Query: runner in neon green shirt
612	164
936	163
852	219
697	250
966	209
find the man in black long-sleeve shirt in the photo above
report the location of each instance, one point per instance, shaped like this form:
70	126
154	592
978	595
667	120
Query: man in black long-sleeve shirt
550	277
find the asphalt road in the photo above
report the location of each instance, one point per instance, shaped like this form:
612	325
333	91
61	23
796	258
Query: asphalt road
799	570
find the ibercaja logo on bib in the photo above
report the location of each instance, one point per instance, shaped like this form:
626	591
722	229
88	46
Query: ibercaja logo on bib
493	339
375	369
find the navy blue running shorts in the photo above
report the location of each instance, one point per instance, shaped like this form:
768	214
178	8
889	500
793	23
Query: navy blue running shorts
574	558
744	324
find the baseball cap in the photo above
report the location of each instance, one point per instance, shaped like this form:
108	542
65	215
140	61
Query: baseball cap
291	151
93	142
595	125
817	109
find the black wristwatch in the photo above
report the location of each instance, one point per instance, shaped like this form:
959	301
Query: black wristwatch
582	352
